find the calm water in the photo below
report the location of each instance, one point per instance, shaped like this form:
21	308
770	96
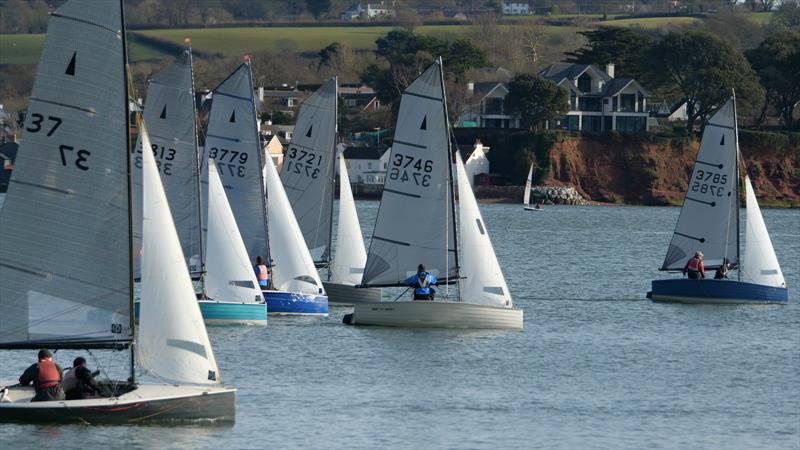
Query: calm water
597	365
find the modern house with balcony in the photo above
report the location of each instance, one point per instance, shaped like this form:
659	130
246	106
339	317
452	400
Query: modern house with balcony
487	106
598	101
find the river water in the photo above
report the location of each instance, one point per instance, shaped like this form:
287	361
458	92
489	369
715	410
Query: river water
597	365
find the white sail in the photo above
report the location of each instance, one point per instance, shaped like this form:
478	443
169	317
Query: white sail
527	199
172	343
229	275
350	256
64	235
759	265
308	167
169	111
415	224
482	281
293	270
232	141
708	220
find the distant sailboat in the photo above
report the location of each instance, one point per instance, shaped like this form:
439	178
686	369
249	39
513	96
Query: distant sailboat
709	223
72	208
232	141
420	178
526	201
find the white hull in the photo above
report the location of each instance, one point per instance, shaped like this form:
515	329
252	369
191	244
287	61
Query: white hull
146	403
528	208
349	295
437	314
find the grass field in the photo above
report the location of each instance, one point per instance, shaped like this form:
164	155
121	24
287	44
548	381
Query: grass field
25	49
651	22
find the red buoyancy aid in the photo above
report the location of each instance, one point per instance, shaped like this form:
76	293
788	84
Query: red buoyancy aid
263	274
48	374
695	264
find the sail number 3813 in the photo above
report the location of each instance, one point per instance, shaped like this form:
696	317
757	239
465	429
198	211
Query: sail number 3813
408	169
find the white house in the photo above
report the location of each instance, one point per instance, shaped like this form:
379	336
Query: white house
487	106
516	9
368	11
367	165
477	162
598	101
274	149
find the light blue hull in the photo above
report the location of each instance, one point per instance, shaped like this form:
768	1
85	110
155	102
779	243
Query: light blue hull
282	302
684	290
228	313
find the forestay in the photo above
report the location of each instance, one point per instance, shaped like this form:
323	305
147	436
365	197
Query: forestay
170	114
760	264
64	259
415	223
526	201
350	256
294	269
172	343
229	275
708	220
482	281
307	172
232	142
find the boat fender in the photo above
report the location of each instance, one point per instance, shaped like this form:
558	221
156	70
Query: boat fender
348	319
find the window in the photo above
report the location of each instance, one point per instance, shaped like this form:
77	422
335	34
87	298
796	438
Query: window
589	104
369	165
493	106
627	102
385	166
631	124
585	83
290	102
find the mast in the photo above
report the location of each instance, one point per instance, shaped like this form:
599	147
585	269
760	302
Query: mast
450	158
333	172
261	170
738	186
198	166
127	80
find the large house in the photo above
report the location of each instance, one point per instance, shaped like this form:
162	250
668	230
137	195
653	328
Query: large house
487	106
369	11
516	8
366	165
597	100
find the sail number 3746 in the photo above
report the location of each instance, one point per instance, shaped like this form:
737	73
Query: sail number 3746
407	169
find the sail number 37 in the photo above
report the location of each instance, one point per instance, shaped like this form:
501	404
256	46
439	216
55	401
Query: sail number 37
407	168
709	182
68	153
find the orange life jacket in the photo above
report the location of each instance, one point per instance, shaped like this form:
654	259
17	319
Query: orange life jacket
48	374
263	274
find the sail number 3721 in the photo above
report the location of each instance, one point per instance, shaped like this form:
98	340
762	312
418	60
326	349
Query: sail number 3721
407	169
709	182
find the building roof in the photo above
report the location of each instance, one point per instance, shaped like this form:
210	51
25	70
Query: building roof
364	152
560	71
484	88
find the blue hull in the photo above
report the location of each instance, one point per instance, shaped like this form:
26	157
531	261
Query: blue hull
281	302
224	313
686	290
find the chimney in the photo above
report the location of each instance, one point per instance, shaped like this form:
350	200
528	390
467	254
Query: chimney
610	69
261	93
470	87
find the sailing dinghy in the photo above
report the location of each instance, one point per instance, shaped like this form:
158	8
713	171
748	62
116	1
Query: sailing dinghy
526	201
420	179
232	141
709	223
72	208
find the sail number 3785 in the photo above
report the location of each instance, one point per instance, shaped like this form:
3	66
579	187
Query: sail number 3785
709	182
408	169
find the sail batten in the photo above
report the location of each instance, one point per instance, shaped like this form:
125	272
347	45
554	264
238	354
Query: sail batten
307	171
64	260
414	225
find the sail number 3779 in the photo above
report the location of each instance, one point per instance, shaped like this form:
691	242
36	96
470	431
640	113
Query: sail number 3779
408	169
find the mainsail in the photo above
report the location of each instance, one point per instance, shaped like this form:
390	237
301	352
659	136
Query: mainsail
415	223
308	167
232	141
229	275
350	257
65	272
759	265
294	269
170	114
172	343
526	201
708	220
482	280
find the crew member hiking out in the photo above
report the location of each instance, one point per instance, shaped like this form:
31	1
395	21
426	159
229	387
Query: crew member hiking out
422	282
46	378
695	267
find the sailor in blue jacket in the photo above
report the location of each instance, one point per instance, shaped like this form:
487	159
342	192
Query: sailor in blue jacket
422	282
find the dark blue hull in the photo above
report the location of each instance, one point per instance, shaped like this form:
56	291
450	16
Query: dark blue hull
281	302
684	290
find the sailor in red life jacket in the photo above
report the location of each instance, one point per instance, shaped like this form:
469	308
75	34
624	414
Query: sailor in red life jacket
262	273
695	268
46	378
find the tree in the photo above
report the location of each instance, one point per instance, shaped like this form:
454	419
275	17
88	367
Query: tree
625	48
705	70
535	100
777	63
788	14
318	8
